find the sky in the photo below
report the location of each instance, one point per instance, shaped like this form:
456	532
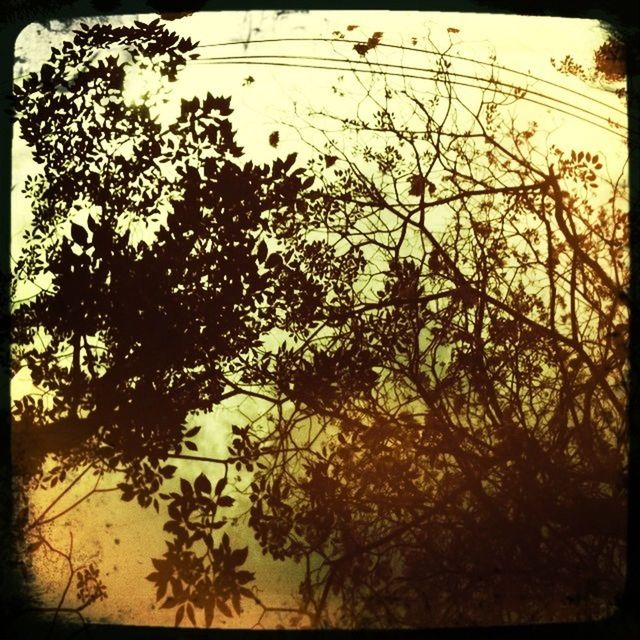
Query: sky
120	537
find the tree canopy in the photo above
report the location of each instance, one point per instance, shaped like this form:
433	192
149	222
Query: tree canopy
433	310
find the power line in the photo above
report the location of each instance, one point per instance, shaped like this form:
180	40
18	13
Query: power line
428	51
490	81
404	68
415	77
420	50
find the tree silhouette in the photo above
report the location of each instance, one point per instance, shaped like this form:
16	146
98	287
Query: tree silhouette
160	257
609	67
468	412
438	325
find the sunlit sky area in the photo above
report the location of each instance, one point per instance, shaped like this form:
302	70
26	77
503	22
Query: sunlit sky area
121	537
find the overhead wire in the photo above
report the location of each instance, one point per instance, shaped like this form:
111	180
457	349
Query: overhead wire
416	49
435	72
614	127
420	50
250	60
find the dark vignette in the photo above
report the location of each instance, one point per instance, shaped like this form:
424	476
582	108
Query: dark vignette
623	21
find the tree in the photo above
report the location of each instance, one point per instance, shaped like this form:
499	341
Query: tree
609	67
159	256
438	326
468	412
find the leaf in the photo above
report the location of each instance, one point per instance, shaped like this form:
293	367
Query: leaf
223	105
176	15
417	185
172	527
235	600
46	72
220	485
274	138
190	614
364	47
161	590
244	576
191	445
224	608
176	586
185	487
209	608
179	615
168	471
127	492
239	556
262	251
329	161
79	234
273	261
247	593
226	501
288	163
202	484
192	432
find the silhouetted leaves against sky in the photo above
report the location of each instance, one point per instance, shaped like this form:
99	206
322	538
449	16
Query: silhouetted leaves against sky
364	47
329	160
151	321
428	322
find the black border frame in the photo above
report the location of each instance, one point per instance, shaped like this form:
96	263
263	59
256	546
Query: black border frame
622	18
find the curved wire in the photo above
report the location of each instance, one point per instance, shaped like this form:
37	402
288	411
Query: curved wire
420	50
489	81
415	77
